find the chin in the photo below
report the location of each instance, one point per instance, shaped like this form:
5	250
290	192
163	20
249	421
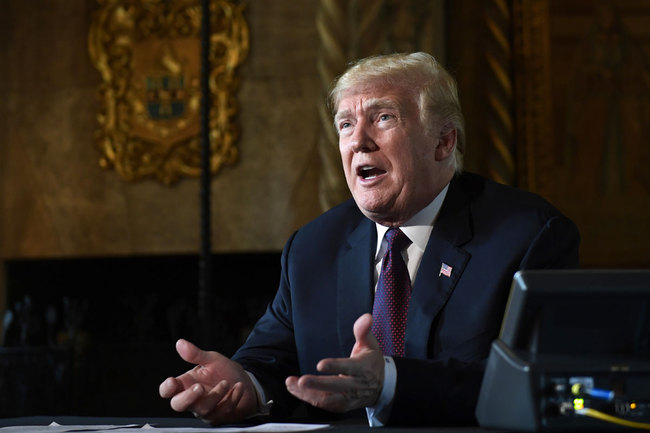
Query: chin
377	214
369	206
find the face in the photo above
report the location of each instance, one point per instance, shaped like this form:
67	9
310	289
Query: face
394	167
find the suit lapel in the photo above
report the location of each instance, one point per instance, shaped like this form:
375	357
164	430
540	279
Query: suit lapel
355	282
432	287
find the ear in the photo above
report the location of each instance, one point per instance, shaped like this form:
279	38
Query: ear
446	143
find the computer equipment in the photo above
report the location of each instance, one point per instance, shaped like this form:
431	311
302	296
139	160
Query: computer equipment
573	353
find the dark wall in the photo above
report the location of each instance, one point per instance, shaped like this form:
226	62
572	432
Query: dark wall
96	336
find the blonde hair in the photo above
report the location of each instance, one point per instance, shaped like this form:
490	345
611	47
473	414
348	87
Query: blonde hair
436	89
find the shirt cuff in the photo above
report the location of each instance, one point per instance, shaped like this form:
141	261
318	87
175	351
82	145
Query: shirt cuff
263	405
379	413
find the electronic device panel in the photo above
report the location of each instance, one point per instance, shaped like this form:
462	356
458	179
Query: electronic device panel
573	353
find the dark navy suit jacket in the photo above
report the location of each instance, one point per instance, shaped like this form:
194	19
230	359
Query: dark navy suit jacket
485	232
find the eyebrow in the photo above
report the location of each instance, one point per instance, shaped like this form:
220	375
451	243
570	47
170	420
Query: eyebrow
340	115
371	104
382	103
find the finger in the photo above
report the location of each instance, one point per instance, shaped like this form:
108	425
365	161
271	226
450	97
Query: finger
192	354
186	399
232	399
223	406
206	404
291	381
326	383
332	401
296	387
225	409
358	387
346	366
363	334
169	387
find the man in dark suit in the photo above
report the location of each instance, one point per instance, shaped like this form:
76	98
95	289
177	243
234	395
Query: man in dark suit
401	139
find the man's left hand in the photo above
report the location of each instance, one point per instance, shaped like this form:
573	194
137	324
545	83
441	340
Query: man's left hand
347	383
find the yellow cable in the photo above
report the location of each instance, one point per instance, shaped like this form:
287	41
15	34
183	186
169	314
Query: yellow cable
593	413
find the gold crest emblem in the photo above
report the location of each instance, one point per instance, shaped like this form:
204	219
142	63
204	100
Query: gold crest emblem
148	54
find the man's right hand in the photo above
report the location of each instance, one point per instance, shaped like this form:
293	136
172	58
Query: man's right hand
217	390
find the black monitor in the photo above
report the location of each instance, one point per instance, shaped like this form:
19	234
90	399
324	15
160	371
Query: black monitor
563	328
579	312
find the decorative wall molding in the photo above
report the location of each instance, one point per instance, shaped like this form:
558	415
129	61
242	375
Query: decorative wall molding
499	92
148	55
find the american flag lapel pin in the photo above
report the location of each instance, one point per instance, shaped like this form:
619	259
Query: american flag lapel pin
445	270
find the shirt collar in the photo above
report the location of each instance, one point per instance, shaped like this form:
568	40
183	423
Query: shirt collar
417	229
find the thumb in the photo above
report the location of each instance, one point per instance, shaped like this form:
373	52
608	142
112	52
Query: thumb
191	353
363	334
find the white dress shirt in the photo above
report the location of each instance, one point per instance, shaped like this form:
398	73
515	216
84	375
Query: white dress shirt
418	230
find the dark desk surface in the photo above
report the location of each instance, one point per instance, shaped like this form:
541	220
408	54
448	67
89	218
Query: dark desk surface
338	427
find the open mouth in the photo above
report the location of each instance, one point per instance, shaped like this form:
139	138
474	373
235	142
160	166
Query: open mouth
368	172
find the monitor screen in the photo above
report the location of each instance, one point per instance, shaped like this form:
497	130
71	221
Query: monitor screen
579	312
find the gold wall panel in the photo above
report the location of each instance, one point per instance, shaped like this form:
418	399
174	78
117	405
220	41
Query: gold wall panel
148	55
584	115
577	82
57	202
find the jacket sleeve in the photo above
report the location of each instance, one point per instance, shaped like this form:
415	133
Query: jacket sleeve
555	247
269	352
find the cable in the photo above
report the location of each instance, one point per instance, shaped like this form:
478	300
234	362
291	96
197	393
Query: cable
593	413
602	394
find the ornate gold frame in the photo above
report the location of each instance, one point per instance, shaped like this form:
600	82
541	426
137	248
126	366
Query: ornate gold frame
148	55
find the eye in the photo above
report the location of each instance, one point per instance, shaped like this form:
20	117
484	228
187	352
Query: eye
344	125
385	117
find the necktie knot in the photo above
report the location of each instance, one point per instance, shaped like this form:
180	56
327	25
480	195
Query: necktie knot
396	239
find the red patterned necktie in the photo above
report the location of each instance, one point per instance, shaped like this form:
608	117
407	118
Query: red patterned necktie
392	296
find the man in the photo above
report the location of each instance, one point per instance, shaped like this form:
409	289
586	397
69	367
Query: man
463	237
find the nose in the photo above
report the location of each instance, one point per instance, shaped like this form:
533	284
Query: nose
361	140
